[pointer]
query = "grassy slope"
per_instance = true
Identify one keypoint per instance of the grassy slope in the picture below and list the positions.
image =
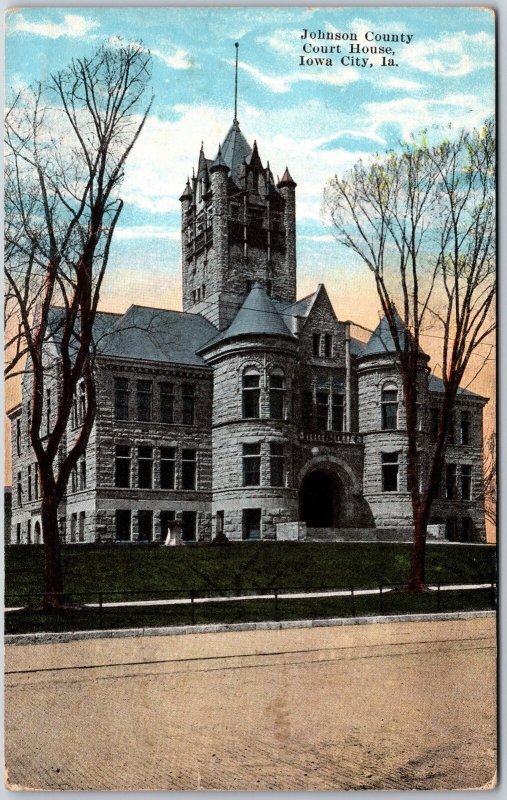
(262, 565)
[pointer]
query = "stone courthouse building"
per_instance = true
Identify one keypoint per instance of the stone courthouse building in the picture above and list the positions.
(250, 412)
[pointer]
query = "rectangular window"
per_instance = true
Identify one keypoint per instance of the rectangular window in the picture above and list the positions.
(48, 411)
(328, 345)
(144, 400)
(167, 467)
(252, 523)
(82, 473)
(252, 464)
(220, 522)
(434, 423)
(123, 525)
(390, 472)
(82, 519)
(122, 466)
(322, 410)
(121, 398)
(18, 533)
(82, 402)
(74, 414)
(307, 409)
(29, 482)
(466, 481)
(277, 464)
(18, 436)
(276, 396)
(188, 469)
(29, 532)
(166, 402)
(20, 489)
(145, 467)
(73, 527)
(188, 398)
(251, 395)
(450, 481)
(389, 409)
(73, 479)
(36, 480)
(316, 344)
(465, 427)
(166, 517)
(337, 411)
(144, 526)
(188, 526)
(451, 431)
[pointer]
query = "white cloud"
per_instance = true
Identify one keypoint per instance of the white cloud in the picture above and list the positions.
(453, 56)
(179, 59)
(279, 41)
(400, 83)
(283, 83)
(72, 25)
(325, 237)
(146, 232)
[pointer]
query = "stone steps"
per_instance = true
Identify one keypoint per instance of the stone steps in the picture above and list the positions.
(357, 535)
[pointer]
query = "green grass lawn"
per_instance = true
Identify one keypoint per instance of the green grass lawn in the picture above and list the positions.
(121, 571)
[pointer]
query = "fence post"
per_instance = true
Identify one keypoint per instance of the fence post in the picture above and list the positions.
(353, 602)
(101, 600)
(438, 596)
(381, 598)
(192, 608)
(276, 604)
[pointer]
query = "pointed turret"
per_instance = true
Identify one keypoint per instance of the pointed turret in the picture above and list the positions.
(219, 162)
(235, 148)
(287, 179)
(187, 192)
(381, 341)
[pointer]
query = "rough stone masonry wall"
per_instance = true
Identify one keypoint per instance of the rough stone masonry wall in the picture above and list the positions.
(231, 431)
(156, 434)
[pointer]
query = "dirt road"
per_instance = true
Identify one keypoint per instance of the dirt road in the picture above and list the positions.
(385, 706)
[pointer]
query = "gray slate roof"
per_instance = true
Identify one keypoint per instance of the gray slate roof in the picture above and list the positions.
(235, 148)
(381, 341)
(437, 385)
(258, 316)
(147, 334)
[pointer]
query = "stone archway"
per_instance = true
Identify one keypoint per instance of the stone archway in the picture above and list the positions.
(320, 499)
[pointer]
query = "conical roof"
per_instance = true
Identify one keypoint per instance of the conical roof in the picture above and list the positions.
(235, 149)
(257, 316)
(381, 341)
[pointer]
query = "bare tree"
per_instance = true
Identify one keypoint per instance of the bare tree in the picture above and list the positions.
(488, 493)
(423, 221)
(66, 144)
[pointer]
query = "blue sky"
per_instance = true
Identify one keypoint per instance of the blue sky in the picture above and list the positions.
(317, 120)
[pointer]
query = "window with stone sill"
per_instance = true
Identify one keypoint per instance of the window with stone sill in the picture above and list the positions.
(277, 395)
(145, 467)
(121, 398)
(466, 481)
(251, 394)
(252, 464)
(277, 464)
(166, 402)
(390, 467)
(123, 520)
(389, 408)
(167, 467)
(19, 487)
(188, 469)
(144, 400)
(450, 481)
(29, 482)
(188, 403)
(465, 428)
(18, 436)
(122, 466)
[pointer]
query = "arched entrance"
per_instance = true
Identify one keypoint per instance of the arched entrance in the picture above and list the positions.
(320, 499)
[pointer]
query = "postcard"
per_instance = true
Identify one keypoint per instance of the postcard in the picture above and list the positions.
(250, 431)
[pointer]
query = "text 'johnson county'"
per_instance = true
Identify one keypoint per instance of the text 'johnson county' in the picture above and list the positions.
(355, 53)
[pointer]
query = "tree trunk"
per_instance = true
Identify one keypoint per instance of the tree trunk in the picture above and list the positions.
(52, 571)
(416, 578)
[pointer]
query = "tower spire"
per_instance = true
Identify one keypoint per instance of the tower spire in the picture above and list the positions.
(236, 45)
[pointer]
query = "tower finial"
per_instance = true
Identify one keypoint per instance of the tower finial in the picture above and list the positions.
(236, 45)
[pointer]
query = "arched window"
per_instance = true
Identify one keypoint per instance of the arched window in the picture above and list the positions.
(251, 394)
(277, 394)
(389, 407)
